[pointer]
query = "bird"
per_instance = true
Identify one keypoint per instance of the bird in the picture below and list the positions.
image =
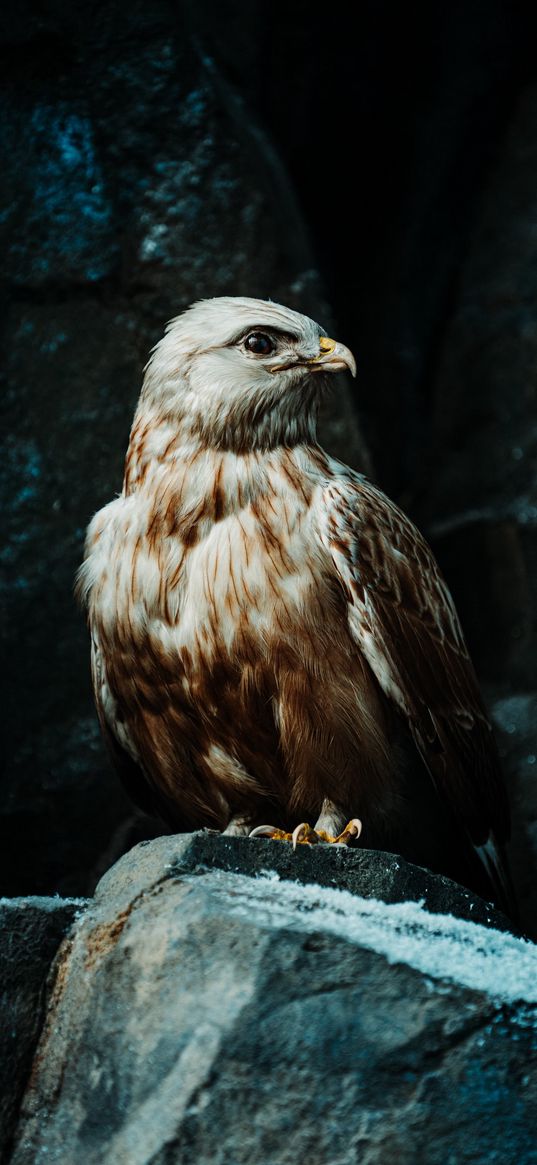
(274, 649)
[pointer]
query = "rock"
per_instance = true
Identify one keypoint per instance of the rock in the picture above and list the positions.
(32, 930)
(367, 873)
(485, 395)
(481, 490)
(142, 185)
(479, 502)
(208, 1016)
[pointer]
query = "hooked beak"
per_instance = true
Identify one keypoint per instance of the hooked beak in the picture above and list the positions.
(332, 357)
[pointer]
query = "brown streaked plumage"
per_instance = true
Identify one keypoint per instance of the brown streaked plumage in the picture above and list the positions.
(271, 636)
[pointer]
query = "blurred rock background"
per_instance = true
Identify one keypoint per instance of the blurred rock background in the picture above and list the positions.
(376, 169)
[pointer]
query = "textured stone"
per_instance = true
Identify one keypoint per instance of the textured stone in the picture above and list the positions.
(479, 502)
(367, 873)
(31, 930)
(206, 1016)
(482, 494)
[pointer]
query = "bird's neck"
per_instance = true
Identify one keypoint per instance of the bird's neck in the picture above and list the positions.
(168, 465)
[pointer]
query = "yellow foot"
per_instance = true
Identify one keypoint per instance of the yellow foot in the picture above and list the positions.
(304, 834)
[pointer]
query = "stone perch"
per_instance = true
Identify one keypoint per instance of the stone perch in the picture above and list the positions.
(221, 1002)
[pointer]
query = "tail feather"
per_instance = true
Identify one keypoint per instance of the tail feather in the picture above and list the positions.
(493, 860)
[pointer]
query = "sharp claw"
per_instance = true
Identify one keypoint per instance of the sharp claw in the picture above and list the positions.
(298, 833)
(353, 829)
(264, 831)
(304, 835)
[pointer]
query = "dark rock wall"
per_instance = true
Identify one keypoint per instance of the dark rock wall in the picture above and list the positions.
(480, 501)
(158, 153)
(136, 183)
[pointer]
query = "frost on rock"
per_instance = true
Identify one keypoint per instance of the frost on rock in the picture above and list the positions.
(438, 945)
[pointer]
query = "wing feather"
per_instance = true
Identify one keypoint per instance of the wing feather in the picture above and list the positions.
(121, 746)
(404, 620)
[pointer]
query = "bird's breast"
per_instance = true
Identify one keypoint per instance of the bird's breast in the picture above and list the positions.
(248, 579)
(233, 633)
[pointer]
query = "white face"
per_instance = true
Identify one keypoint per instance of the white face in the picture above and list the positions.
(242, 373)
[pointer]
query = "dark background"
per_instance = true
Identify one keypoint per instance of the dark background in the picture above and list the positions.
(374, 166)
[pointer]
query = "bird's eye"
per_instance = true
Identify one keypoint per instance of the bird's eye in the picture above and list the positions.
(259, 343)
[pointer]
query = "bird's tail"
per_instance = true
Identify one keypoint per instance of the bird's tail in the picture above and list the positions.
(492, 857)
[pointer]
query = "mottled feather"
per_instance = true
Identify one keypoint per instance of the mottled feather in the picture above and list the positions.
(405, 622)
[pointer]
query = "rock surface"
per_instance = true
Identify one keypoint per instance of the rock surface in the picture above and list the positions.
(31, 931)
(483, 494)
(480, 496)
(366, 873)
(201, 1015)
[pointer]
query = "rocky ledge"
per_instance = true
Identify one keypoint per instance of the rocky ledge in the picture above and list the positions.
(227, 1001)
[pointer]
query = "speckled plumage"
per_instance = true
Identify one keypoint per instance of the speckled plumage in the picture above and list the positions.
(270, 634)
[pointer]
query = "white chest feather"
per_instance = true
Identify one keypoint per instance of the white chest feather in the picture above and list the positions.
(241, 573)
(161, 561)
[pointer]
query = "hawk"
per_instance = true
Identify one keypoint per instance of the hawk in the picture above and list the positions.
(272, 638)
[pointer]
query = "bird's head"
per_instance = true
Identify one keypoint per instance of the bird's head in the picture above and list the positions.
(242, 374)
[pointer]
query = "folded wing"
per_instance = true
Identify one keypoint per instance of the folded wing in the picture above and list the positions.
(404, 621)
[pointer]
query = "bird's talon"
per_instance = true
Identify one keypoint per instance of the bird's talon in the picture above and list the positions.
(305, 835)
(270, 831)
(353, 829)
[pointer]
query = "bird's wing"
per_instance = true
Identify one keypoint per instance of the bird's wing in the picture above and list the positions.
(120, 746)
(404, 620)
